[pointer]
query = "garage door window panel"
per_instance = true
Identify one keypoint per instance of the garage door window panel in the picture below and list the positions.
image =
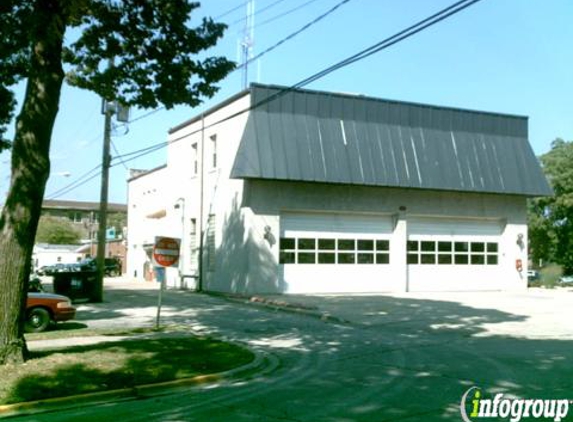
(306, 258)
(327, 258)
(346, 258)
(306, 244)
(327, 244)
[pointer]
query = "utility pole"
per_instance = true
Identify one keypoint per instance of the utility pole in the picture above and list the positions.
(248, 41)
(97, 292)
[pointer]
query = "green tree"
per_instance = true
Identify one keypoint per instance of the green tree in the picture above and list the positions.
(551, 218)
(57, 231)
(139, 52)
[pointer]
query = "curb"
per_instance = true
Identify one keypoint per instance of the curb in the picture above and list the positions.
(139, 391)
(280, 305)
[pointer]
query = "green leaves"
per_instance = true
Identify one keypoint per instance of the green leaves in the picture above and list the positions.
(142, 52)
(551, 218)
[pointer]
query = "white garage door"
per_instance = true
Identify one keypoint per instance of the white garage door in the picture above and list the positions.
(332, 253)
(451, 255)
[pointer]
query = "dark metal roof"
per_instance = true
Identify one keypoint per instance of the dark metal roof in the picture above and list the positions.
(337, 138)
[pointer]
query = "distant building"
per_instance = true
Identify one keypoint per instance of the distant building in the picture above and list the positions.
(84, 216)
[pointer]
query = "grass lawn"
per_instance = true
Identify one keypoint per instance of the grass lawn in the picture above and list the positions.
(115, 365)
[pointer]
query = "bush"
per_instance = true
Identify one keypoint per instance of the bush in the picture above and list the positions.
(549, 276)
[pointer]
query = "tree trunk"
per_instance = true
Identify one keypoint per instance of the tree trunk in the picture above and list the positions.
(30, 171)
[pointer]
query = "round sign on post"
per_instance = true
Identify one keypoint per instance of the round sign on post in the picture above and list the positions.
(166, 251)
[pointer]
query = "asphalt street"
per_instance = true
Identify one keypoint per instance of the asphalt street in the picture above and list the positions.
(397, 358)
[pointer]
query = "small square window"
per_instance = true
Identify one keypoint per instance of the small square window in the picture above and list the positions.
(461, 259)
(306, 258)
(444, 246)
(382, 258)
(428, 258)
(306, 244)
(492, 247)
(413, 245)
(382, 245)
(365, 245)
(366, 258)
(478, 247)
(326, 258)
(444, 259)
(428, 246)
(346, 258)
(326, 244)
(478, 259)
(412, 258)
(461, 247)
(287, 243)
(492, 260)
(286, 258)
(346, 244)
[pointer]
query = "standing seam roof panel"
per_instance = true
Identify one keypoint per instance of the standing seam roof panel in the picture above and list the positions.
(388, 143)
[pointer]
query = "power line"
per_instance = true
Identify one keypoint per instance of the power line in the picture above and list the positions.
(76, 184)
(294, 34)
(288, 12)
(118, 154)
(387, 42)
(231, 10)
(257, 12)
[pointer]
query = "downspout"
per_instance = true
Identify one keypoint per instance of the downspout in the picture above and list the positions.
(201, 189)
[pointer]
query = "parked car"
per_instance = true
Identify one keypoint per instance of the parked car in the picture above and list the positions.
(43, 308)
(112, 266)
(532, 275)
(566, 279)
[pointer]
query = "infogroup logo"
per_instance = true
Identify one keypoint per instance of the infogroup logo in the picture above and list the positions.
(514, 409)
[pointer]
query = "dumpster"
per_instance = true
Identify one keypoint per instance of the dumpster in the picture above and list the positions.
(75, 284)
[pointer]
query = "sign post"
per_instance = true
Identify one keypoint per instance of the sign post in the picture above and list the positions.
(165, 254)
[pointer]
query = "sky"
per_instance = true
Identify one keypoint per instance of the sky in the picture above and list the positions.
(505, 56)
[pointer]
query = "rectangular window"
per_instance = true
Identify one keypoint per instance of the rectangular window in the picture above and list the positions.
(444, 259)
(461, 247)
(492, 260)
(477, 259)
(492, 247)
(382, 245)
(382, 258)
(365, 245)
(366, 258)
(345, 258)
(413, 245)
(306, 258)
(195, 159)
(346, 244)
(306, 244)
(286, 257)
(286, 243)
(428, 246)
(326, 258)
(211, 242)
(478, 247)
(412, 258)
(193, 226)
(213, 139)
(461, 259)
(326, 244)
(428, 258)
(444, 246)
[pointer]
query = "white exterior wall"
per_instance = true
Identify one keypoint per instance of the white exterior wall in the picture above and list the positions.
(222, 197)
(270, 200)
(146, 197)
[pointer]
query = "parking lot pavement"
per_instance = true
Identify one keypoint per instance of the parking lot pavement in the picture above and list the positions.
(537, 313)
